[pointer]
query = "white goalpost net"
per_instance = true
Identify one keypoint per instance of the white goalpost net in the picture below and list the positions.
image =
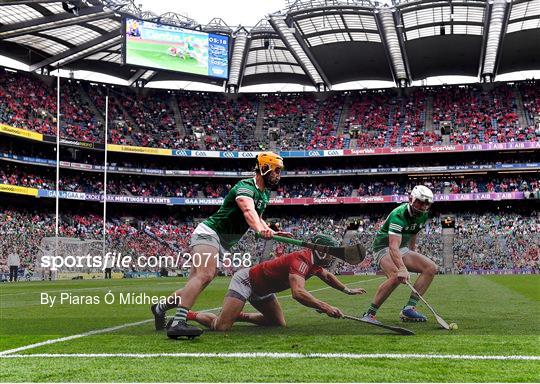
(69, 253)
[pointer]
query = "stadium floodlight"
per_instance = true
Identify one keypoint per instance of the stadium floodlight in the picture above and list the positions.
(391, 38)
(289, 38)
(497, 25)
(239, 49)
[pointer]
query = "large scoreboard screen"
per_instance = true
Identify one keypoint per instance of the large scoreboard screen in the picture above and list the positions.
(152, 45)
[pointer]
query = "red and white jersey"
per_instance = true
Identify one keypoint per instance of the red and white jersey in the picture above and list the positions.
(273, 275)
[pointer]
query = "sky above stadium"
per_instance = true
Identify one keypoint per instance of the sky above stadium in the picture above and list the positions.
(248, 13)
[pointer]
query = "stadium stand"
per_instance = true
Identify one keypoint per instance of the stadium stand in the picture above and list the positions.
(136, 185)
(513, 239)
(473, 114)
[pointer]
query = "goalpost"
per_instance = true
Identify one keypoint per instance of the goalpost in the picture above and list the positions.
(67, 246)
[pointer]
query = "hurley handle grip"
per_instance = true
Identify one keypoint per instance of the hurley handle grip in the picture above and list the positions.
(283, 239)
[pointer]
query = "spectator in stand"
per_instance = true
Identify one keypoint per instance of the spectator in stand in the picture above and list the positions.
(13, 262)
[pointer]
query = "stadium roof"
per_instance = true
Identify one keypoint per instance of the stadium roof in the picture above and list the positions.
(315, 42)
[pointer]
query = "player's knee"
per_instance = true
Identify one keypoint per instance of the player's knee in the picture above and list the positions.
(274, 322)
(206, 277)
(281, 322)
(431, 269)
(393, 279)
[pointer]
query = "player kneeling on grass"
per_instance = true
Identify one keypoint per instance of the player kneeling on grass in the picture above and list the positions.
(242, 209)
(394, 249)
(260, 283)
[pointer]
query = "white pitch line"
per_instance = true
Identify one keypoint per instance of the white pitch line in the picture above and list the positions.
(90, 333)
(112, 329)
(280, 355)
(78, 336)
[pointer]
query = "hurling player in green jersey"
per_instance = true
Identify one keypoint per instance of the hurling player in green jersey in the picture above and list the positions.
(242, 209)
(394, 249)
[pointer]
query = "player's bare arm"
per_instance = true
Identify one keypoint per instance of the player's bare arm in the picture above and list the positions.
(331, 279)
(264, 224)
(247, 206)
(300, 294)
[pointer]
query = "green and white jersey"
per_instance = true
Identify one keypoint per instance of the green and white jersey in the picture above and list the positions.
(399, 222)
(229, 222)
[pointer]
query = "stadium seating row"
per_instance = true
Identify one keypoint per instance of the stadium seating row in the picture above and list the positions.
(216, 121)
(135, 185)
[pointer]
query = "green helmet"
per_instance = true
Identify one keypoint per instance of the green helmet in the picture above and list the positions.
(324, 239)
(323, 259)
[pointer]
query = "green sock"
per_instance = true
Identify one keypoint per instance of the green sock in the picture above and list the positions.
(372, 310)
(181, 314)
(413, 300)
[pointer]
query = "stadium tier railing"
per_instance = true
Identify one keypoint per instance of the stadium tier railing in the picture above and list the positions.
(82, 196)
(286, 173)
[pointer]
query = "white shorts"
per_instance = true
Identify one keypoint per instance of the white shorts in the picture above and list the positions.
(377, 256)
(240, 287)
(204, 235)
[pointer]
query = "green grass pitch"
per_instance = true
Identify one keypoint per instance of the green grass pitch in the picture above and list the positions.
(149, 54)
(497, 315)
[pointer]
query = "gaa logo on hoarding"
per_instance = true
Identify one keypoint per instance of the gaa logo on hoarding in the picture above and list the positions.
(200, 153)
(180, 152)
(333, 153)
(247, 155)
(227, 154)
(313, 153)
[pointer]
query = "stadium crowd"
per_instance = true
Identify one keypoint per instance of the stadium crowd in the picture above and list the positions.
(227, 124)
(486, 242)
(497, 242)
(214, 121)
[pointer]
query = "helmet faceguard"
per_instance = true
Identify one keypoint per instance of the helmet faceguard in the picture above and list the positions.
(271, 179)
(420, 200)
(324, 259)
(267, 165)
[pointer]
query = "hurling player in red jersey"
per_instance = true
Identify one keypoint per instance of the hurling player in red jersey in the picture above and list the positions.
(259, 284)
